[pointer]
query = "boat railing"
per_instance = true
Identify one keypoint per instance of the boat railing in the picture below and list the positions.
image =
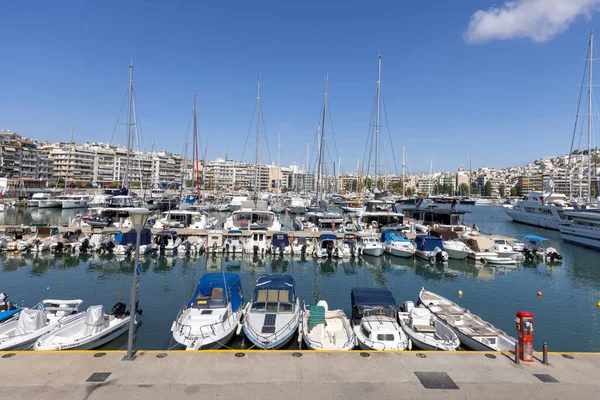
(277, 335)
(206, 330)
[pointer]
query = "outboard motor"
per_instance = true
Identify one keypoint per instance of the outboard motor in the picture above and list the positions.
(214, 247)
(85, 245)
(529, 255)
(129, 249)
(227, 248)
(553, 254)
(329, 249)
(255, 249)
(109, 245)
(281, 250)
(59, 246)
(119, 310)
(303, 250)
(187, 247)
(352, 248)
(439, 256)
(408, 306)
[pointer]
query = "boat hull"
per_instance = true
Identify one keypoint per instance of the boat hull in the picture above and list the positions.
(542, 221)
(456, 254)
(49, 204)
(580, 239)
(375, 252)
(93, 342)
(399, 252)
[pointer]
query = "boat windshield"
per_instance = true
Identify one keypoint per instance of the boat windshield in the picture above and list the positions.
(273, 301)
(216, 299)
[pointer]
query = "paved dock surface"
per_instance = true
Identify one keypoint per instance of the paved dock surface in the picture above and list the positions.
(284, 375)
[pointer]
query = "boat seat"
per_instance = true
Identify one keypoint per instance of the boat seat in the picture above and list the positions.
(424, 328)
(216, 293)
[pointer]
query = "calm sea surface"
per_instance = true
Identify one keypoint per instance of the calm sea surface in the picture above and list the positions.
(566, 315)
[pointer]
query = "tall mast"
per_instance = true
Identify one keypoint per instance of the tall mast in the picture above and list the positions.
(590, 116)
(279, 165)
(377, 119)
(403, 182)
(322, 145)
(470, 172)
(69, 158)
(257, 141)
(129, 110)
(195, 153)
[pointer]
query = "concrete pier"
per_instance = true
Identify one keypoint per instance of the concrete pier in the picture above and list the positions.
(295, 375)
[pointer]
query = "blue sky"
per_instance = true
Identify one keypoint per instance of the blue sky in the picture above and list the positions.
(502, 83)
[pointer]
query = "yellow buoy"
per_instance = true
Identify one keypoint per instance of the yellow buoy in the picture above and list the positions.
(598, 304)
(16, 252)
(459, 293)
(539, 294)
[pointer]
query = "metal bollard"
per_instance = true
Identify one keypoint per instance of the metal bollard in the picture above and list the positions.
(517, 360)
(545, 354)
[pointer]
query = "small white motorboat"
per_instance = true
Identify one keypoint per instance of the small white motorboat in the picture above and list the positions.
(166, 242)
(212, 316)
(233, 242)
(375, 320)
(456, 249)
(370, 245)
(272, 317)
(396, 244)
(301, 246)
(257, 243)
(280, 244)
(425, 331)
(127, 241)
(21, 332)
(323, 329)
(93, 330)
(472, 331)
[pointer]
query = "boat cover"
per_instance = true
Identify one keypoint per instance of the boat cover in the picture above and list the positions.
(420, 312)
(94, 320)
(281, 239)
(533, 238)
(30, 321)
(117, 192)
(165, 233)
(428, 243)
(392, 236)
(276, 282)
(191, 199)
(130, 237)
(316, 316)
(327, 236)
(229, 284)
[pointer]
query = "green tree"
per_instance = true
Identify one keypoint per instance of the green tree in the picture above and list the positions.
(488, 189)
(397, 187)
(368, 182)
(409, 192)
(594, 192)
(463, 189)
(502, 190)
(513, 191)
(114, 185)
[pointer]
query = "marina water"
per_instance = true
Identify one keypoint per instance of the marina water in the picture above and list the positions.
(567, 317)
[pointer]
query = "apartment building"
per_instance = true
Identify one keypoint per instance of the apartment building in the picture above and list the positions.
(21, 158)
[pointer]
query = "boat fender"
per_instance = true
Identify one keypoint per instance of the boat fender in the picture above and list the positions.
(173, 326)
(409, 347)
(300, 332)
(238, 331)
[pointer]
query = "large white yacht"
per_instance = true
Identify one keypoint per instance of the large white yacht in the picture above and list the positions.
(543, 209)
(583, 228)
(253, 216)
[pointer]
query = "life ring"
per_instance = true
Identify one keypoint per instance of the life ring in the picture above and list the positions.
(435, 226)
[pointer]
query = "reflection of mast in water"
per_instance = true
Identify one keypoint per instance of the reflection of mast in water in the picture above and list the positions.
(317, 290)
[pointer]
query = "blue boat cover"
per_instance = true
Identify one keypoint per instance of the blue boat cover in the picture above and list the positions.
(428, 243)
(166, 233)
(130, 238)
(392, 236)
(280, 239)
(230, 283)
(276, 282)
(533, 238)
(191, 199)
(4, 315)
(117, 192)
(234, 232)
(328, 236)
(372, 297)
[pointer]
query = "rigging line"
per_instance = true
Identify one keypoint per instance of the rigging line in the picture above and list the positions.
(332, 131)
(187, 133)
(314, 146)
(371, 137)
(248, 134)
(387, 124)
(119, 116)
(138, 125)
(578, 108)
(262, 114)
(370, 130)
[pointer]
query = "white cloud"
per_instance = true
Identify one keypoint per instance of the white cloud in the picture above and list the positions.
(539, 20)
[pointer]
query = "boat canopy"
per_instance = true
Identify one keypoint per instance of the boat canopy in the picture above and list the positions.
(130, 237)
(280, 239)
(393, 236)
(428, 243)
(191, 199)
(166, 233)
(215, 289)
(444, 233)
(30, 321)
(533, 238)
(328, 236)
(117, 192)
(368, 298)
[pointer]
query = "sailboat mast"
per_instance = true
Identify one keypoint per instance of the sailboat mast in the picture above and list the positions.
(279, 166)
(322, 145)
(195, 153)
(403, 181)
(377, 120)
(129, 110)
(257, 141)
(590, 116)
(69, 159)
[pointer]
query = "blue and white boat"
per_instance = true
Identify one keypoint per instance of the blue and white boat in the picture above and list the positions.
(7, 308)
(326, 245)
(212, 315)
(272, 317)
(430, 248)
(396, 244)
